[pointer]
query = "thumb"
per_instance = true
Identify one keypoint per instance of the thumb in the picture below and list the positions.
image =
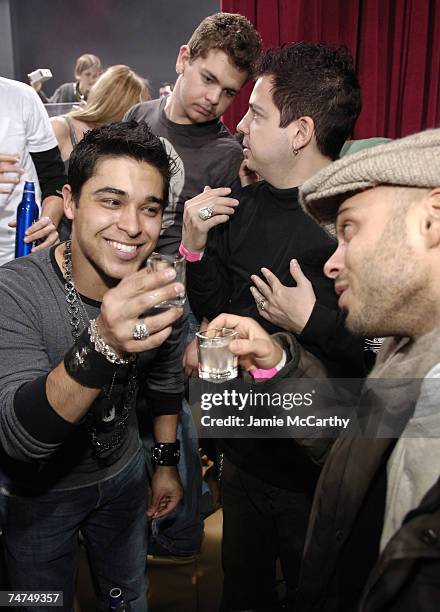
(264, 353)
(206, 188)
(296, 272)
(257, 348)
(12, 223)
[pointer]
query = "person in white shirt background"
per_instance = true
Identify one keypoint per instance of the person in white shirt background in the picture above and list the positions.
(28, 152)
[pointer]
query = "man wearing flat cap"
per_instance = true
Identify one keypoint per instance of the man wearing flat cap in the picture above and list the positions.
(379, 490)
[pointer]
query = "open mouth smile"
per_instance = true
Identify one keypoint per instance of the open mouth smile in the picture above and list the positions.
(124, 250)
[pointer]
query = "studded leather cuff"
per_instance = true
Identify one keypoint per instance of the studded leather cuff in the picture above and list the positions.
(166, 453)
(88, 367)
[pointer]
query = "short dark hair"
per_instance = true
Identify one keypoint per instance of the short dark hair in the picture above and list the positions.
(318, 81)
(122, 139)
(228, 32)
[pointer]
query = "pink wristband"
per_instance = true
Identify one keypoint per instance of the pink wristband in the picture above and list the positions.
(190, 255)
(270, 373)
(264, 373)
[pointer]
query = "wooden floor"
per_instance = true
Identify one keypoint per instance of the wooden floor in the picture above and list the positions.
(193, 587)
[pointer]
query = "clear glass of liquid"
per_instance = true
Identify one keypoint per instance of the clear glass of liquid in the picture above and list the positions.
(216, 362)
(160, 261)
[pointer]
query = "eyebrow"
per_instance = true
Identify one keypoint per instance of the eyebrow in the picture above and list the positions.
(256, 107)
(114, 190)
(342, 210)
(120, 192)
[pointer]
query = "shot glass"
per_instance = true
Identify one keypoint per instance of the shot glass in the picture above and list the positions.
(160, 261)
(216, 362)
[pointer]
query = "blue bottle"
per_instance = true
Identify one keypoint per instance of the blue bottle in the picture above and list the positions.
(117, 603)
(27, 213)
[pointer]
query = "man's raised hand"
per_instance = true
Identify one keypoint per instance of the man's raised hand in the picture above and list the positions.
(216, 208)
(123, 307)
(255, 347)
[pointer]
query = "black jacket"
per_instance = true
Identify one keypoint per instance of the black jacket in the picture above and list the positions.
(269, 228)
(346, 521)
(407, 576)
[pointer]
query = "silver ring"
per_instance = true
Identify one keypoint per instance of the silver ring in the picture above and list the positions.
(140, 331)
(205, 213)
(262, 304)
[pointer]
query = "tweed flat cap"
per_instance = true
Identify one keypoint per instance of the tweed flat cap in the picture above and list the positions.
(413, 161)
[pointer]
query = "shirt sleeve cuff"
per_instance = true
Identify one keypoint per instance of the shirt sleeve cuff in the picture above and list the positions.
(160, 403)
(37, 416)
(320, 323)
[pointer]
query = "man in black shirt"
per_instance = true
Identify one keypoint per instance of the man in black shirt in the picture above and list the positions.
(303, 106)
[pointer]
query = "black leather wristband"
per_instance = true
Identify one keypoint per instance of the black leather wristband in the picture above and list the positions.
(88, 367)
(166, 453)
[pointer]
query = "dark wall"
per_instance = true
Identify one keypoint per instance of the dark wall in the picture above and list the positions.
(144, 34)
(6, 49)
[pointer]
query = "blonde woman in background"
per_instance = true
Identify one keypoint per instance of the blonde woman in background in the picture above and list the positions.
(117, 89)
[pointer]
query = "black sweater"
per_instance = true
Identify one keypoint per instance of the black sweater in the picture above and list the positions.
(269, 228)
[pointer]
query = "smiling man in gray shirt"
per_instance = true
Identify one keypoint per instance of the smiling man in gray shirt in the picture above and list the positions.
(76, 348)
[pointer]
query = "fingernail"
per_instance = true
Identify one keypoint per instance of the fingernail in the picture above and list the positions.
(169, 273)
(294, 262)
(179, 288)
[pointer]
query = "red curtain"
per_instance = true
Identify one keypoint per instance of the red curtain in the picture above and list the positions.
(395, 44)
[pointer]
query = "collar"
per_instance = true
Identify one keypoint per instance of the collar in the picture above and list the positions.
(192, 130)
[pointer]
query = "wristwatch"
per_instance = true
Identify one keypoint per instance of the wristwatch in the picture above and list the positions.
(166, 453)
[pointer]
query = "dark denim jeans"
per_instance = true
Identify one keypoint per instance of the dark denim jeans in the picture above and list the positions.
(40, 536)
(180, 532)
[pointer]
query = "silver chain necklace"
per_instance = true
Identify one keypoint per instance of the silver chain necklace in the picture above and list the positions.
(75, 307)
(73, 299)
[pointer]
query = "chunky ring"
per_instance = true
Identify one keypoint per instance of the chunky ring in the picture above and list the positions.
(140, 331)
(205, 213)
(262, 304)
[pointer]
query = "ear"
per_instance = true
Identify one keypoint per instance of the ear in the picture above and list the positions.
(303, 130)
(430, 222)
(182, 59)
(69, 203)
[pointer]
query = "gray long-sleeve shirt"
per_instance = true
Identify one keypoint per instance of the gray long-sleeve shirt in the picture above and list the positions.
(35, 334)
(203, 153)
